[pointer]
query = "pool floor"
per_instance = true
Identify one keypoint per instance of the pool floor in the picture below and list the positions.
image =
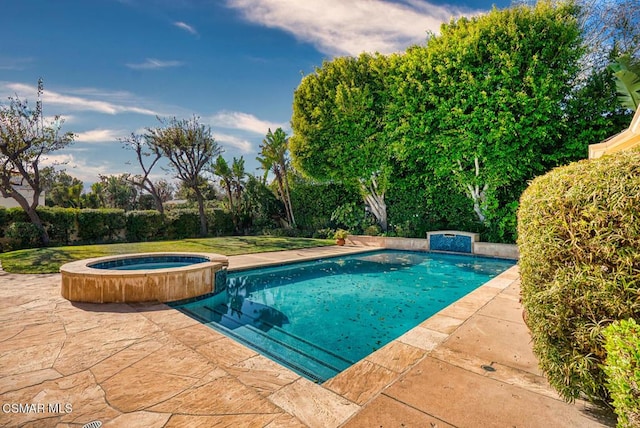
(319, 318)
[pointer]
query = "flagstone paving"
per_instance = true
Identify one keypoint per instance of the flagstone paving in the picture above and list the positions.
(147, 365)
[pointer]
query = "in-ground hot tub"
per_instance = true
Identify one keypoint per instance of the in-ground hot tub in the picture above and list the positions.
(144, 277)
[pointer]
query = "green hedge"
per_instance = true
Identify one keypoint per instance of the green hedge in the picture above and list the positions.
(67, 226)
(219, 222)
(100, 225)
(60, 223)
(20, 234)
(146, 225)
(183, 223)
(579, 241)
(622, 367)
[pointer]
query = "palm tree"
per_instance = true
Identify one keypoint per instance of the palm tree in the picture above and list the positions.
(274, 158)
(238, 176)
(221, 169)
(627, 73)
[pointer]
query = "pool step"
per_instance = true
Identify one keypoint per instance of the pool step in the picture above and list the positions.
(314, 362)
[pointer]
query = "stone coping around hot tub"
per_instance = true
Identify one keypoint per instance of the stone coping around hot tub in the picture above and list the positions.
(84, 265)
(83, 283)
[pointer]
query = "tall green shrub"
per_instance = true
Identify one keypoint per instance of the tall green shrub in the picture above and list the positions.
(100, 225)
(144, 225)
(21, 234)
(622, 342)
(183, 223)
(60, 223)
(219, 222)
(579, 241)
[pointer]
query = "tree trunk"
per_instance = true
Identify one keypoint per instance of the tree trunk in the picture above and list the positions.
(378, 208)
(288, 198)
(477, 195)
(203, 216)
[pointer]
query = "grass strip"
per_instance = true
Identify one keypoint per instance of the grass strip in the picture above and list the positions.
(49, 260)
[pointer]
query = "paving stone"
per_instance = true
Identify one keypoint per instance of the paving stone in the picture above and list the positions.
(465, 399)
(314, 405)
(222, 396)
(387, 412)
(262, 374)
(139, 419)
(495, 340)
(361, 382)
(396, 356)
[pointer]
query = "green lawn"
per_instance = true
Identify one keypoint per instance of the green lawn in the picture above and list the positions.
(49, 260)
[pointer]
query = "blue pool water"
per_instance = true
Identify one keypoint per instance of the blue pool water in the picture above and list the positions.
(320, 317)
(150, 262)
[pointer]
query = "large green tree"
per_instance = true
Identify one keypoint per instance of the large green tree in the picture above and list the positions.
(338, 124)
(26, 138)
(483, 102)
(189, 147)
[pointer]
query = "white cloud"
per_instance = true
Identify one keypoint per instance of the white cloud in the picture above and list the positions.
(8, 63)
(153, 64)
(244, 122)
(99, 136)
(230, 140)
(80, 103)
(86, 169)
(338, 27)
(186, 27)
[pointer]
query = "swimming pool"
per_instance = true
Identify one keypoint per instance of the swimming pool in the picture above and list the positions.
(318, 318)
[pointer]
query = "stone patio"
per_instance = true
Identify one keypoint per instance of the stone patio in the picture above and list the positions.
(147, 365)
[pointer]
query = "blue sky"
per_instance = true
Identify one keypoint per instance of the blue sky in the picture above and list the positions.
(111, 66)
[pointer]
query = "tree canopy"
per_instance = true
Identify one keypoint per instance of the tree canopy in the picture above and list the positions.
(189, 147)
(338, 124)
(479, 110)
(495, 86)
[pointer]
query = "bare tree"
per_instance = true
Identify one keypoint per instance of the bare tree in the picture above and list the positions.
(189, 147)
(610, 28)
(144, 151)
(25, 140)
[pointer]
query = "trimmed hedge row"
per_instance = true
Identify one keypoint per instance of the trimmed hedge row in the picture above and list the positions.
(579, 241)
(70, 226)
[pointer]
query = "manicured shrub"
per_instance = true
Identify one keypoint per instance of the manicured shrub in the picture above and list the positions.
(579, 241)
(100, 225)
(20, 235)
(144, 225)
(622, 367)
(60, 223)
(182, 223)
(17, 214)
(219, 222)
